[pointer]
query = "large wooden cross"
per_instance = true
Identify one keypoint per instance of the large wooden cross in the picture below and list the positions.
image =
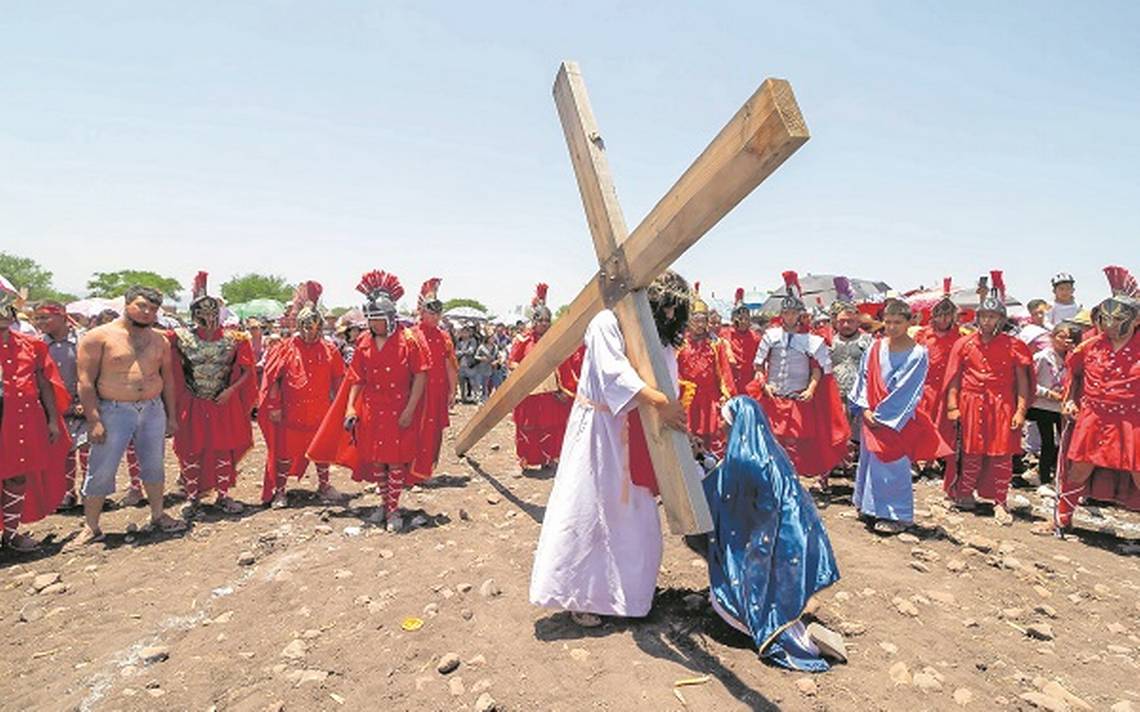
(760, 137)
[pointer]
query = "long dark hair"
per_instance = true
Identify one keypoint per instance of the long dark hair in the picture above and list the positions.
(670, 290)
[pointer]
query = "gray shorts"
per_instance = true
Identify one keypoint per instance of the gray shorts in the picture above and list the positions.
(141, 422)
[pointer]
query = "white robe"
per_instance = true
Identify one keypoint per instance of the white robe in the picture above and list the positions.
(600, 545)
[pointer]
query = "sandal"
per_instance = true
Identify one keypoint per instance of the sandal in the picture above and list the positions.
(21, 543)
(229, 505)
(586, 620)
(331, 495)
(887, 526)
(280, 500)
(166, 524)
(91, 537)
(70, 501)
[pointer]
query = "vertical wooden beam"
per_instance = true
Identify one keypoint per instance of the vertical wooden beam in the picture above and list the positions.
(677, 474)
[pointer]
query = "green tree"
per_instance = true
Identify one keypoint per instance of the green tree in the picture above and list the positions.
(247, 287)
(462, 302)
(115, 284)
(26, 273)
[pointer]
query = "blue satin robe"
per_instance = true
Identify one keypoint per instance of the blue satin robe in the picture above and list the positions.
(884, 490)
(768, 550)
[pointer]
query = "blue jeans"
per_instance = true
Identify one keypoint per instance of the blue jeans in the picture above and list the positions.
(143, 422)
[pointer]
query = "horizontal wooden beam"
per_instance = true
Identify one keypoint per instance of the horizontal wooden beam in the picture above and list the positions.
(760, 137)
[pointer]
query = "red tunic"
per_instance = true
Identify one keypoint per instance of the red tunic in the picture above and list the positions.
(933, 403)
(305, 374)
(431, 415)
(24, 447)
(705, 363)
(540, 419)
(1107, 429)
(742, 348)
(918, 439)
(209, 431)
(814, 433)
(386, 375)
(987, 397)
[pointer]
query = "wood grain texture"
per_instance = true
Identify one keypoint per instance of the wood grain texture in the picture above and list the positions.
(767, 129)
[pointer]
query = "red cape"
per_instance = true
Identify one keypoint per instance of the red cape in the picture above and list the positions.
(23, 435)
(284, 363)
(814, 433)
(919, 438)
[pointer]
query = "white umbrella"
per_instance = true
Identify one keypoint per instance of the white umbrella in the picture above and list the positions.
(466, 313)
(92, 306)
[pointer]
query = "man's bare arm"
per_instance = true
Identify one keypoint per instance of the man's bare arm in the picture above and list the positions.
(89, 359)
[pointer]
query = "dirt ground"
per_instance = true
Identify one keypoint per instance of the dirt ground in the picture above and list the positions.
(302, 609)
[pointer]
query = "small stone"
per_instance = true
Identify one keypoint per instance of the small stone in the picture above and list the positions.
(579, 654)
(246, 558)
(955, 566)
(907, 538)
(323, 529)
(944, 597)
(889, 648)
(1055, 690)
(486, 703)
(842, 596)
(924, 554)
(476, 661)
(351, 531)
(342, 574)
(807, 687)
(969, 623)
(1042, 592)
(1122, 706)
(852, 629)
(981, 543)
(464, 588)
(295, 650)
(1118, 649)
(455, 686)
(1101, 589)
(1045, 702)
(310, 634)
(926, 682)
(1116, 629)
(1045, 610)
(132, 528)
(386, 553)
(31, 615)
(1040, 631)
(494, 498)
(464, 515)
(963, 696)
(39, 583)
(490, 589)
(448, 663)
(310, 676)
(154, 654)
(431, 610)
(905, 607)
(155, 691)
(53, 589)
(920, 567)
(419, 521)
(1012, 613)
(224, 617)
(899, 673)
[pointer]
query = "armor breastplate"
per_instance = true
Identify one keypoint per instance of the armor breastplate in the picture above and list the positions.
(206, 364)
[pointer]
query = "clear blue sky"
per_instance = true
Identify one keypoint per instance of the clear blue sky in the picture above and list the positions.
(317, 140)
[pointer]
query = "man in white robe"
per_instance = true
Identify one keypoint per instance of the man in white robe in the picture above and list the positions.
(600, 545)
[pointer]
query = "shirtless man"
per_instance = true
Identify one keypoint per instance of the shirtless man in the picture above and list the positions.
(127, 392)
